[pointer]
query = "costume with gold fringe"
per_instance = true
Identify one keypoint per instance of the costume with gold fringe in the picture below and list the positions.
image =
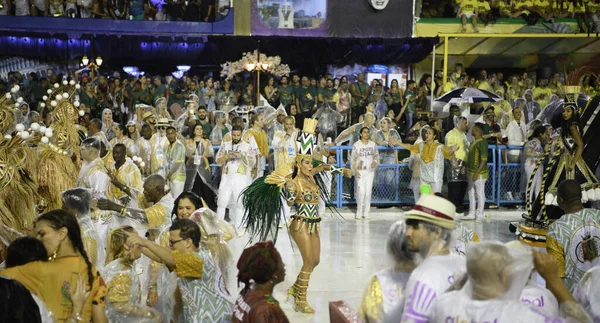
(18, 184)
(57, 167)
(262, 202)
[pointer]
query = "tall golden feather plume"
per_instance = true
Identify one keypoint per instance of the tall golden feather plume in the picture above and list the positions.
(57, 168)
(18, 185)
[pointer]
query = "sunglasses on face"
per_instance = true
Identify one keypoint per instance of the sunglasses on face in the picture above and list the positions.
(162, 128)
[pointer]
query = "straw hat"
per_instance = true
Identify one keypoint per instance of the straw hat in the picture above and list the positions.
(163, 122)
(146, 115)
(434, 209)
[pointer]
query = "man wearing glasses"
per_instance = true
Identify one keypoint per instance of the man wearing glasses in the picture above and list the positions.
(158, 143)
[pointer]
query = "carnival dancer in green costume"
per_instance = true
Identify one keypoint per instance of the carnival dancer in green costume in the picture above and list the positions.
(299, 187)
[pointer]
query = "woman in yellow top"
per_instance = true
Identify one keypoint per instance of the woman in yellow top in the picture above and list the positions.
(432, 155)
(586, 87)
(51, 281)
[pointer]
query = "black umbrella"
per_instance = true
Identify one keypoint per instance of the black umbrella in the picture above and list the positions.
(468, 95)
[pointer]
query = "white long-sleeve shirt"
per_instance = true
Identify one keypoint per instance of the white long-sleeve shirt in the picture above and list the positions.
(516, 134)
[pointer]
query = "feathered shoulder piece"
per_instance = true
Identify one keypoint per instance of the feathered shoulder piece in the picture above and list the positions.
(280, 175)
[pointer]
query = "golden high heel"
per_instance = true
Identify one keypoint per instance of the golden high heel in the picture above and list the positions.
(301, 305)
(300, 302)
(292, 291)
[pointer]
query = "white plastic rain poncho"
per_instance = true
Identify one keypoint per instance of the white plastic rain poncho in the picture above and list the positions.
(215, 233)
(431, 278)
(123, 302)
(328, 120)
(414, 164)
(107, 128)
(220, 129)
(270, 120)
(497, 276)
(383, 300)
(531, 108)
(587, 293)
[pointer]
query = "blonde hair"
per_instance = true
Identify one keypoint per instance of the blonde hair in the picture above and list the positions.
(115, 248)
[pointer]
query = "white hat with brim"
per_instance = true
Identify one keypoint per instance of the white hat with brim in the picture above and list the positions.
(435, 210)
(163, 122)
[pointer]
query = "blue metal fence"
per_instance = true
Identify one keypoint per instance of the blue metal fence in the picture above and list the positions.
(391, 183)
(510, 176)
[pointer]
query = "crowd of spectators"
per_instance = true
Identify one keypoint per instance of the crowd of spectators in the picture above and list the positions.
(586, 11)
(395, 116)
(171, 10)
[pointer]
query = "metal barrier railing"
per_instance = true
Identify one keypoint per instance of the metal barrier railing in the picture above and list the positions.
(511, 175)
(391, 183)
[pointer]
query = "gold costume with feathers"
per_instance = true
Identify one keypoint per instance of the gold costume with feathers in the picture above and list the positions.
(57, 168)
(18, 187)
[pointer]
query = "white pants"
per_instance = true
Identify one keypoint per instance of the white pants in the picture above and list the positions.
(364, 188)
(476, 188)
(176, 188)
(536, 183)
(230, 190)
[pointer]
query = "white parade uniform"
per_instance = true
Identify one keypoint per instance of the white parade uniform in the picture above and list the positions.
(363, 156)
(235, 177)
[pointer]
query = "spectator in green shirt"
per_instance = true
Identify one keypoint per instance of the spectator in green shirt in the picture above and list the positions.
(306, 99)
(478, 173)
(286, 92)
(326, 93)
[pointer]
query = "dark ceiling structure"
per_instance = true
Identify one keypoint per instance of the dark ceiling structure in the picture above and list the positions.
(159, 54)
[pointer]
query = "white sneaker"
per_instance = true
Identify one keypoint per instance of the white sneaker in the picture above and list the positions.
(366, 217)
(357, 217)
